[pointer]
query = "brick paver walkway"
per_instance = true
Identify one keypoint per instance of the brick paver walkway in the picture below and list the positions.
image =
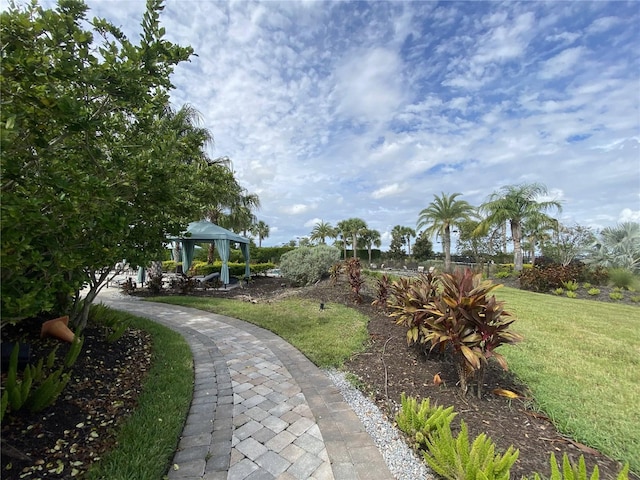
(260, 409)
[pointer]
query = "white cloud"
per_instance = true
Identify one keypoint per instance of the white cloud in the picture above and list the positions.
(387, 191)
(562, 64)
(628, 215)
(343, 109)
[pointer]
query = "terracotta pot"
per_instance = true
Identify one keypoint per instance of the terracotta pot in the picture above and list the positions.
(57, 328)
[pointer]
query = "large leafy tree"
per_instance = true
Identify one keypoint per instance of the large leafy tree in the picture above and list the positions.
(440, 216)
(517, 204)
(96, 168)
(321, 231)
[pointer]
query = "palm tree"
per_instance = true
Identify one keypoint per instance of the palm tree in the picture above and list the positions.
(536, 229)
(370, 238)
(618, 246)
(407, 233)
(516, 204)
(260, 229)
(321, 231)
(354, 228)
(440, 215)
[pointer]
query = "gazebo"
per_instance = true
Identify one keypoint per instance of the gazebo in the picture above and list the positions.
(207, 232)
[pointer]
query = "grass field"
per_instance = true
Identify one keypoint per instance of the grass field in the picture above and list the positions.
(579, 358)
(581, 361)
(327, 337)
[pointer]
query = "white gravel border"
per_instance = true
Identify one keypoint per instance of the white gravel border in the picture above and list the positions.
(403, 463)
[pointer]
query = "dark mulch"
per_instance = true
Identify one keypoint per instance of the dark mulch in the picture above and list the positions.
(80, 426)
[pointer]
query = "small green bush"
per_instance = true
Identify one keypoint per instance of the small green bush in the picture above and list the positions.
(503, 275)
(455, 459)
(559, 291)
(577, 472)
(622, 278)
(307, 265)
(616, 296)
(571, 294)
(635, 298)
(593, 291)
(586, 285)
(571, 285)
(420, 421)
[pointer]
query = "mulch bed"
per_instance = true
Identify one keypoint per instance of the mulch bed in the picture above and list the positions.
(81, 425)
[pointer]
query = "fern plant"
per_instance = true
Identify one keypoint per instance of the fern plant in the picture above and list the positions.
(456, 459)
(420, 421)
(576, 472)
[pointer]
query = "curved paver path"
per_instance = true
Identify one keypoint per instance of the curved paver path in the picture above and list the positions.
(260, 409)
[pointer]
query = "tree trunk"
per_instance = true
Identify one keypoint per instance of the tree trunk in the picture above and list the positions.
(517, 245)
(446, 243)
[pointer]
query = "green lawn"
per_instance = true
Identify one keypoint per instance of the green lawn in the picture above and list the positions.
(148, 439)
(327, 337)
(581, 361)
(580, 358)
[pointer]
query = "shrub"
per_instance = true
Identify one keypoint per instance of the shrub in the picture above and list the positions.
(559, 291)
(577, 472)
(307, 265)
(586, 285)
(548, 277)
(622, 278)
(616, 296)
(383, 286)
(571, 294)
(635, 298)
(503, 275)
(354, 274)
(421, 421)
(464, 317)
(454, 310)
(593, 291)
(571, 285)
(169, 266)
(455, 459)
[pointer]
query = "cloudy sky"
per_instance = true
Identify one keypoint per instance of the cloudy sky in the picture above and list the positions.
(332, 110)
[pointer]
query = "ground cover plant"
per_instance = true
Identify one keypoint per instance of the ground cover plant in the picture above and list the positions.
(121, 413)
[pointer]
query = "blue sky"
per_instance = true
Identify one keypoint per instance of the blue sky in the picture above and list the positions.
(332, 110)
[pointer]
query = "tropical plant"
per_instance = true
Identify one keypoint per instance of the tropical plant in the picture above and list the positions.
(441, 216)
(517, 204)
(455, 459)
(397, 241)
(321, 231)
(422, 420)
(618, 246)
(383, 287)
(260, 229)
(474, 325)
(423, 247)
(354, 276)
(370, 238)
(622, 278)
(407, 301)
(352, 228)
(577, 472)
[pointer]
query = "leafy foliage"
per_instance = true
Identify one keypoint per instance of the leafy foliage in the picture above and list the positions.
(454, 311)
(96, 166)
(383, 286)
(354, 276)
(577, 472)
(40, 385)
(454, 459)
(421, 421)
(307, 265)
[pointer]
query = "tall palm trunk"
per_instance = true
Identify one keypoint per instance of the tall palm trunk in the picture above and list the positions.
(446, 243)
(516, 233)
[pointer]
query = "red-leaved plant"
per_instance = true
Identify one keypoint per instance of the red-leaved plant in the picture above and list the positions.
(455, 310)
